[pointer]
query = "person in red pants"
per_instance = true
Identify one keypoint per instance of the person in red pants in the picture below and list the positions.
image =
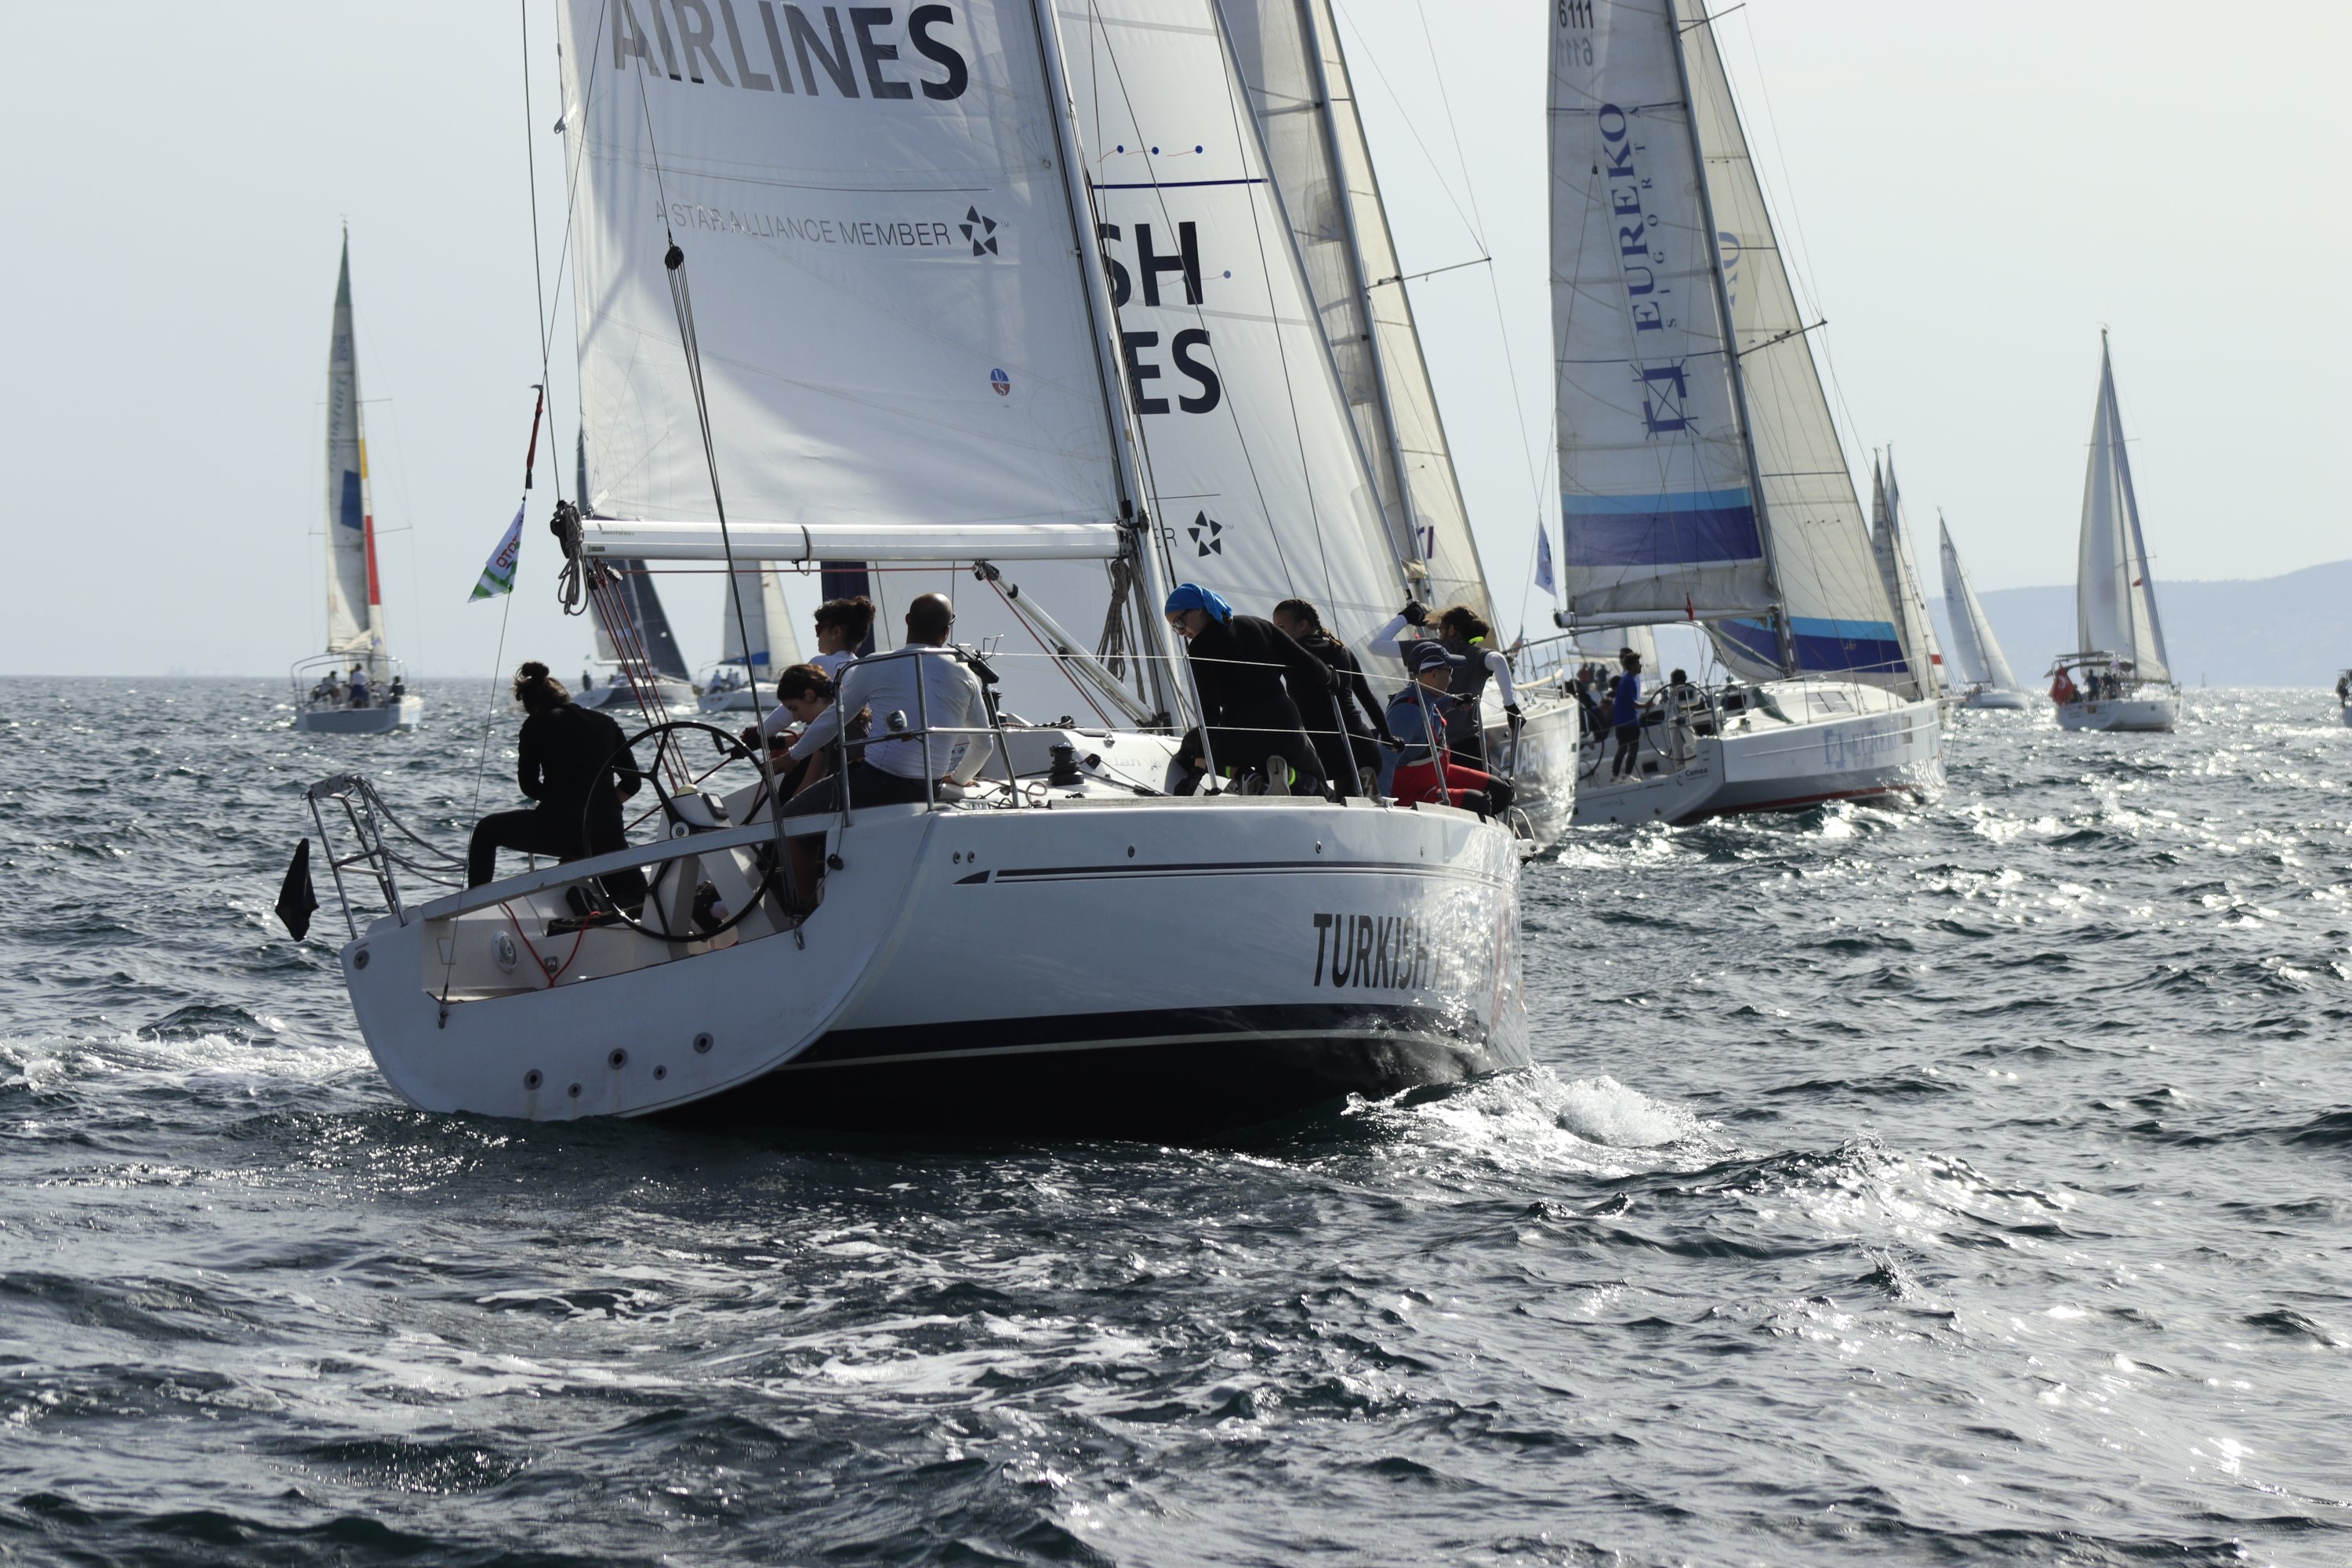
(1416, 714)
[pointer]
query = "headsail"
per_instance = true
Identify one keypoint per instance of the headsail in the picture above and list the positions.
(354, 595)
(2115, 600)
(1252, 453)
(1974, 647)
(1661, 517)
(1890, 543)
(1289, 55)
(1840, 617)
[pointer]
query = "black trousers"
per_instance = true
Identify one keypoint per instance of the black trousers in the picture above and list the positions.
(868, 786)
(554, 831)
(1628, 747)
(1465, 737)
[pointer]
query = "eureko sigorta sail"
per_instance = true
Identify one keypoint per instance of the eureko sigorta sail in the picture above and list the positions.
(1702, 478)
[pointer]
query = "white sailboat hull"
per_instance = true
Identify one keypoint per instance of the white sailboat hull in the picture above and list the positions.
(1881, 746)
(1542, 764)
(1997, 701)
(1139, 967)
(620, 698)
(383, 720)
(2146, 713)
(742, 700)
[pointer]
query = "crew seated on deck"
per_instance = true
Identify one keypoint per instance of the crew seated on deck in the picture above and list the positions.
(925, 686)
(1427, 774)
(1351, 750)
(804, 693)
(569, 759)
(1254, 682)
(1463, 633)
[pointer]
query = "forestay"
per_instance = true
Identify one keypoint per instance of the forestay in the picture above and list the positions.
(1290, 56)
(1839, 615)
(1974, 647)
(1261, 484)
(354, 602)
(2115, 602)
(1660, 520)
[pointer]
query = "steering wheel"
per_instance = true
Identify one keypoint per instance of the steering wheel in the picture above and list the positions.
(670, 747)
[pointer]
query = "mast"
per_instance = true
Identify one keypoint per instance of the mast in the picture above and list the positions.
(1154, 575)
(1783, 633)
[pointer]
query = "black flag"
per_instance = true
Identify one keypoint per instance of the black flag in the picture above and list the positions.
(296, 901)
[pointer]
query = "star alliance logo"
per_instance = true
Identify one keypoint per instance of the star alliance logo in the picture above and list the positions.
(981, 231)
(1205, 532)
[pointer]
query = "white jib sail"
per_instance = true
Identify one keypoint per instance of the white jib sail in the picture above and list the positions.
(1659, 516)
(1974, 647)
(1842, 619)
(1261, 487)
(1892, 549)
(1289, 55)
(354, 600)
(2115, 601)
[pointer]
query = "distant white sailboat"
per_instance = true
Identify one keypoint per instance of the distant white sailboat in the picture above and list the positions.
(356, 687)
(1702, 477)
(2118, 678)
(1985, 679)
(745, 677)
(1899, 571)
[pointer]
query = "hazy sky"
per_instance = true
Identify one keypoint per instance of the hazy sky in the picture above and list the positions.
(1971, 193)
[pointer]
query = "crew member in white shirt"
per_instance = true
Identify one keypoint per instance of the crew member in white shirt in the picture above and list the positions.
(842, 626)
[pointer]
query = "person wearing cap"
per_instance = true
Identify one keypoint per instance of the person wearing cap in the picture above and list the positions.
(1253, 679)
(1463, 633)
(1625, 712)
(1427, 774)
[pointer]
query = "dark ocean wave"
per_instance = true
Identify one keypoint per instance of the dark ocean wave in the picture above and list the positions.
(1958, 1184)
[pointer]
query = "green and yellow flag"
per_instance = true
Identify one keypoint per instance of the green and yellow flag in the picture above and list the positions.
(499, 575)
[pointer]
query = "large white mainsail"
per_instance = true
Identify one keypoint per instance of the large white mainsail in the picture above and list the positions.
(1890, 543)
(1289, 55)
(1657, 492)
(887, 276)
(355, 595)
(1841, 619)
(1974, 647)
(1252, 451)
(2115, 602)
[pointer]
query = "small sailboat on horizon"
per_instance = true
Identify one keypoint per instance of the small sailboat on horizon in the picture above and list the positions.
(1984, 676)
(639, 655)
(356, 687)
(2118, 676)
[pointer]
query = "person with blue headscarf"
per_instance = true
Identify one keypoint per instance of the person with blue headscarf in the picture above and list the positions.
(1253, 682)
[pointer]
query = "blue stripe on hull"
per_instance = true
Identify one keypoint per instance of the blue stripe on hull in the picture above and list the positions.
(1677, 528)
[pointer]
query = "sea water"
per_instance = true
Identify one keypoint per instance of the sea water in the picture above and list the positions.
(1965, 1184)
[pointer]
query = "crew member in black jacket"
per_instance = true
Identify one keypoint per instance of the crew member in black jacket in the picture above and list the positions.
(1252, 680)
(1349, 740)
(571, 757)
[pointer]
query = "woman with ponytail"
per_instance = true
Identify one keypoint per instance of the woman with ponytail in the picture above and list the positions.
(569, 759)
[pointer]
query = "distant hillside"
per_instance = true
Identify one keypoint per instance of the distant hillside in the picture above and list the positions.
(2294, 630)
